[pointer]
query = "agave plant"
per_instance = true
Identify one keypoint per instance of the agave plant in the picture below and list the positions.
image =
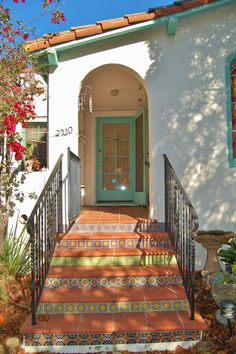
(15, 255)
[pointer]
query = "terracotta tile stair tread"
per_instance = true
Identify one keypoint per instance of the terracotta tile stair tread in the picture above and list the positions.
(109, 271)
(116, 323)
(113, 235)
(103, 252)
(174, 321)
(112, 294)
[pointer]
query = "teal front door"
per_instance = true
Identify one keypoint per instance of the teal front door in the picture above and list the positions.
(115, 159)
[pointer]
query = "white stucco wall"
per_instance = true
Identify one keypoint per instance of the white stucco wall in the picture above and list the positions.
(40, 102)
(190, 109)
(30, 189)
(184, 78)
(65, 84)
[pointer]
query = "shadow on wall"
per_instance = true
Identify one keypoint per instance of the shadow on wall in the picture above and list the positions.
(187, 96)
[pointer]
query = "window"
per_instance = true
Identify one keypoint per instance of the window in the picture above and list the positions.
(231, 108)
(36, 141)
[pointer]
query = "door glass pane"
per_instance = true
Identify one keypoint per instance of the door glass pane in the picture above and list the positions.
(109, 131)
(109, 182)
(123, 131)
(122, 182)
(122, 165)
(123, 147)
(109, 164)
(109, 148)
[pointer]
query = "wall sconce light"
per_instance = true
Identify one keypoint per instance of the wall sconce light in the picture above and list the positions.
(114, 92)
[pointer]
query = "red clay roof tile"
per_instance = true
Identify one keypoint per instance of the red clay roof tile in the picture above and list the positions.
(75, 33)
(85, 31)
(189, 4)
(140, 17)
(61, 37)
(37, 44)
(113, 23)
(167, 10)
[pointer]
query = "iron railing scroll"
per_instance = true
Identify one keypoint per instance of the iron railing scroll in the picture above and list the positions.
(181, 221)
(44, 226)
(73, 185)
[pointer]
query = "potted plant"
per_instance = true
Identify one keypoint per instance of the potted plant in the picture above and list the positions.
(228, 255)
(223, 284)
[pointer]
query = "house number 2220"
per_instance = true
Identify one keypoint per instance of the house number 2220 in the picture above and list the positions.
(64, 132)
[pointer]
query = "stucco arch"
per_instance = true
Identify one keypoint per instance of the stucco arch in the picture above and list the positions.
(110, 90)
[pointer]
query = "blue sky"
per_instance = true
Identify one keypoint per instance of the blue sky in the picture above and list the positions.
(79, 12)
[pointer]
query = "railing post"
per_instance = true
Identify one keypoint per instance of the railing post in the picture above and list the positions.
(69, 183)
(73, 185)
(30, 231)
(166, 195)
(192, 274)
(59, 207)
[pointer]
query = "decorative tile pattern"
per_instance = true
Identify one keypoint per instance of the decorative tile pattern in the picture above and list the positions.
(127, 308)
(107, 282)
(114, 260)
(111, 338)
(130, 243)
(113, 307)
(138, 227)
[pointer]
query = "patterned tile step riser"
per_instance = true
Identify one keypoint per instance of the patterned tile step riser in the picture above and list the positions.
(113, 307)
(111, 348)
(131, 243)
(142, 227)
(107, 282)
(114, 260)
(92, 339)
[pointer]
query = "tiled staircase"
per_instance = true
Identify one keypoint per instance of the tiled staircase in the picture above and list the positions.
(112, 287)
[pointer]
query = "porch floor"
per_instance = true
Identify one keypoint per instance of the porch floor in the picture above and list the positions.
(113, 215)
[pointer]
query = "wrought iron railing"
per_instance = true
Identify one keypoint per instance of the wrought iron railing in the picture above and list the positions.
(73, 185)
(44, 225)
(181, 221)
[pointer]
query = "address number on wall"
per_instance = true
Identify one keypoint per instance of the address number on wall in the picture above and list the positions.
(64, 132)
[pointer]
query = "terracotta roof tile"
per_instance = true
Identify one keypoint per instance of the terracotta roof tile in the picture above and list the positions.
(86, 31)
(37, 44)
(140, 17)
(113, 23)
(75, 33)
(61, 37)
(167, 10)
(189, 4)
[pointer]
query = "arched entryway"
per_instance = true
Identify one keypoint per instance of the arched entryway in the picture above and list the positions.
(113, 143)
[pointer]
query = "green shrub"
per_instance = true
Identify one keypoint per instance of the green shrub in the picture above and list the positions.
(15, 256)
(228, 255)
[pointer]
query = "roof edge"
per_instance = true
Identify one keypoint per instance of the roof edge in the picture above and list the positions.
(134, 27)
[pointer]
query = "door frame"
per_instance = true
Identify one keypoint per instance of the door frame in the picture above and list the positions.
(141, 198)
(114, 119)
